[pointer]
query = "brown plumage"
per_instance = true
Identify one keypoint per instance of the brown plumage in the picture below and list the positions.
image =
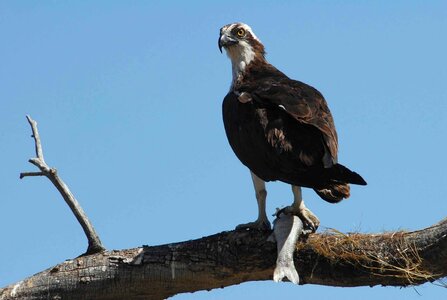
(286, 131)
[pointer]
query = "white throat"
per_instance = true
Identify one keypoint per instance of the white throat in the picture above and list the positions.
(240, 55)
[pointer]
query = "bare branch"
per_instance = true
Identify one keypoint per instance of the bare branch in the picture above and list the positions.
(229, 258)
(26, 174)
(94, 243)
(41, 164)
(37, 143)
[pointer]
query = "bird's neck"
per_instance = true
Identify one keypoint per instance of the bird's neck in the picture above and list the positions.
(242, 62)
(238, 73)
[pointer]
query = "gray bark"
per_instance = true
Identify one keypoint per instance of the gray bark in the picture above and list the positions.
(229, 258)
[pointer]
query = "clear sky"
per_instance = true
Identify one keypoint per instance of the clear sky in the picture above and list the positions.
(128, 96)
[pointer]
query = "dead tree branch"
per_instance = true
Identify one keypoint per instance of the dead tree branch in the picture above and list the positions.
(229, 258)
(94, 243)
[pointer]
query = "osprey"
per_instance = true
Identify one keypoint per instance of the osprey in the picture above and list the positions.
(281, 129)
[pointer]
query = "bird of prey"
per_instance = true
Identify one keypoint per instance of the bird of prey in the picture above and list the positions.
(281, 129)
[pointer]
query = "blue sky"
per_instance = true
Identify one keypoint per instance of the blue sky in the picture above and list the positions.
(128, 96)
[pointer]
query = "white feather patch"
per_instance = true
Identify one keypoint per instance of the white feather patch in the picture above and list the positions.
(242, 53)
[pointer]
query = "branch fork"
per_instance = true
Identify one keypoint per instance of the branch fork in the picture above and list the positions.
(228, 258)
(94, 243)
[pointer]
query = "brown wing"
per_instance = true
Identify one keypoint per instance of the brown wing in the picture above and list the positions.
(303, 102)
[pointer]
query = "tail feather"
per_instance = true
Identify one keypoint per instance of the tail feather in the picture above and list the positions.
(334, 192)
(338, 187)
(340, 173)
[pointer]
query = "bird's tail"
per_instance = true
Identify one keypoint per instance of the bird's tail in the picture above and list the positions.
(337, 188)
(334, 192)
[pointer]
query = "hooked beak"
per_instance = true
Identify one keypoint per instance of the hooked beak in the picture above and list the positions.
(225, 41)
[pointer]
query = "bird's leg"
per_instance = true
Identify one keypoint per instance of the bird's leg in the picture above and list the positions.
(262, 223)
(310, 221)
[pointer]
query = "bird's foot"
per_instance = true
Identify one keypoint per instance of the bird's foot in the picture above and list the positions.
(310, 221)
(259, 224)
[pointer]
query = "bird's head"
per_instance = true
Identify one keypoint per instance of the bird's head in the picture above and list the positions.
(241, 45)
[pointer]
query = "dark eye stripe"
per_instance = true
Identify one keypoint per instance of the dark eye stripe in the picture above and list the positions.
(235, 30)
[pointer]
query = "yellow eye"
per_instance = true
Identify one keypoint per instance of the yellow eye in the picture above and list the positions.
(240, 32)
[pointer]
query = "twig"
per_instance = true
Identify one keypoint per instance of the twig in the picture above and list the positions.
(39, 152)
(94, 243)
(25, 174)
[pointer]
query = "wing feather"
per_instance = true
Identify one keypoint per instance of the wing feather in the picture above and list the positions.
(303, 102)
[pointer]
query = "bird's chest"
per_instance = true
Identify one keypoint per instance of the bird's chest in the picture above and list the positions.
(247, 128)
(253, 130)
(243, 121)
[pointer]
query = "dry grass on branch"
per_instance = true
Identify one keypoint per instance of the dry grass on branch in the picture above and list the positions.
(386, 254)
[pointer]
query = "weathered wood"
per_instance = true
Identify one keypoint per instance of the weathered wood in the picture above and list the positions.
(94, 243)
(229, 258)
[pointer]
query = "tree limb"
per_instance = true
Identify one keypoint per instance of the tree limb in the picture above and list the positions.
(228, 258)
(94, 243)
(233, 257)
